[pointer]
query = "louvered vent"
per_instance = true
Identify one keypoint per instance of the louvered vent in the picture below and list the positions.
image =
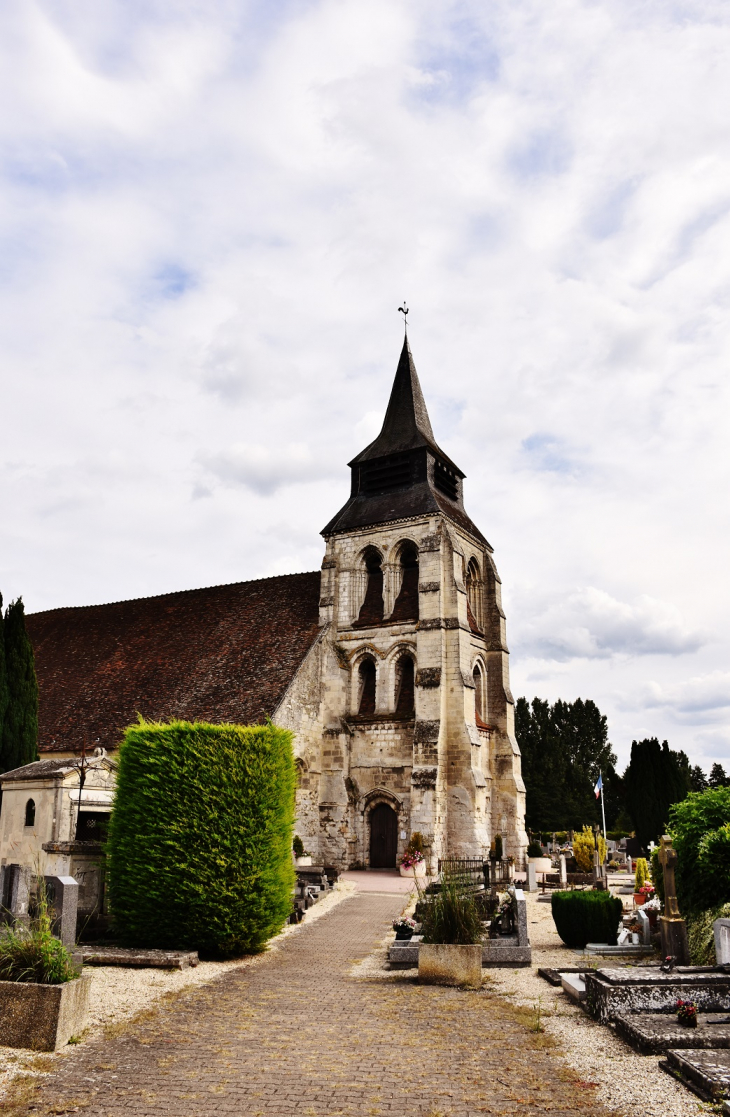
(381, 478)
(446, 481)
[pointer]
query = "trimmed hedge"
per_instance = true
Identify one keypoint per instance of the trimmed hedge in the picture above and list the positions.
(583, 917)
(700, 829)
(200, 837)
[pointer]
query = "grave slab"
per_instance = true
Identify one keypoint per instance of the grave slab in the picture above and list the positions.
(131, 956)
(617, 992)
(707, 1073)
(574, 986)
(652, 1033)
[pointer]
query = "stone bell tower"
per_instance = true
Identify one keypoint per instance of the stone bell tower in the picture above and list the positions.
(417, 716)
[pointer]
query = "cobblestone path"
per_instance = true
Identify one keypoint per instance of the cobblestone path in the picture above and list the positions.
(296, 1033)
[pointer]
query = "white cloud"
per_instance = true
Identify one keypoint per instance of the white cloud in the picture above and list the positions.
(591, 624)
(264, 469)
(702, 697)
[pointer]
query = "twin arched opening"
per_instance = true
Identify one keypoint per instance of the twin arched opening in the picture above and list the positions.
(403, 582)
(404, 695)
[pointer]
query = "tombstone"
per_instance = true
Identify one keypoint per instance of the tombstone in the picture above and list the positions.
(643, 919)
(721, 928)
(563, 870)
(671, 925)
(15, 896)
(531, 877)
(63, 899)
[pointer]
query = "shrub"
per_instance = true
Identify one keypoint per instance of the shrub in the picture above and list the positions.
(642, 871)
(298, 846)
(701, 935)
(416, 844)
(582, 917)
(200, 837)
(33, 954)
(701, 836)
(452, 916)
(584, 845)
(498, 849)
(657, 874)
(534, 849)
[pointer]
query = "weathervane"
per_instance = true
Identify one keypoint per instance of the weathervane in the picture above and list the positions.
(404, 311)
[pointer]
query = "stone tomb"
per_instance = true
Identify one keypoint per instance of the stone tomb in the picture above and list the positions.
(652, 1033)
(706, 1073)
(611, 993)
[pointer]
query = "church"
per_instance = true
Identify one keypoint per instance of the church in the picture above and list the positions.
(390, 664)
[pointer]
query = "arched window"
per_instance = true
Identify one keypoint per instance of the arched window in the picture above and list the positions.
(480, 705)
(30, 813)
(406, 603)
(474, 596)
(372, 607)
(404, 687)
(366, 697)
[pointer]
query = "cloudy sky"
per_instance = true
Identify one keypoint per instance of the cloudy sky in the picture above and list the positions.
(211, 211)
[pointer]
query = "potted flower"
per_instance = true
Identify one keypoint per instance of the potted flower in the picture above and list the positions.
(404, 927)
(451, 951)
(687, 1013)
(645, 893)
(642, 876)
(412, 864)
(653, 907)
(302, 856)
(44, 999)
(535, 857)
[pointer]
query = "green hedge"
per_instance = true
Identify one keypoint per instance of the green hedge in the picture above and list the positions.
(582, 917)
(700, 829)
(200, 837)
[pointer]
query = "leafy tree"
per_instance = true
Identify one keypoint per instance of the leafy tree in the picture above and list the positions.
(656, 777)
(564, 747)
(718, 777)
(700, 829)
(20, 725)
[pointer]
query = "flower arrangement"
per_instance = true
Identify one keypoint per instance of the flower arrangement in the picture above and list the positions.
(654, 904)
(647, 890)
(411, 858)
(687, 1013)
(403, 923)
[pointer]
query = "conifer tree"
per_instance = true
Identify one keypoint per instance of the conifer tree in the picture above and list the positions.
(698, 779)
(718, 777)
(656, 777)
(4, 695)
(20, 724)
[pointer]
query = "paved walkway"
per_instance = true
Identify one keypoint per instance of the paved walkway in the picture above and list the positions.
(296, 1033)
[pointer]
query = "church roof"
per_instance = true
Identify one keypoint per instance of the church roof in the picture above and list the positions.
(406, 425)
(403, 473)
(221, 654)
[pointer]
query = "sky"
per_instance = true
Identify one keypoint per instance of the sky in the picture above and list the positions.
(209, 215)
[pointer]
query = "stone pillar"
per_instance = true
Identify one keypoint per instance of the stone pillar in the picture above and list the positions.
(531, 883)
(563, 870)
(721, 928)
(63, 900)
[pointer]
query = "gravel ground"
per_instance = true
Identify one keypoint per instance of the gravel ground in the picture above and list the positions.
(627, 1083)
(119, 993)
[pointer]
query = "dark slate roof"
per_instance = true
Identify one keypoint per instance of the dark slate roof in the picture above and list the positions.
(226, 653)
(405, 444)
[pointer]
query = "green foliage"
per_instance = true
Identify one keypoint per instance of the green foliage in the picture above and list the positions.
(701, 935)
(657, 874)
(298, 846)
(19, 744)
(584, 846)
(200, 837)
(718, 778)
(32, 954)
(452, 916)
(417, 843)
(534, 849)
(642, 872)
(698, 779)
(564, 747)
(656, 777)
(582, 917)
(699, 829)
(498, 848)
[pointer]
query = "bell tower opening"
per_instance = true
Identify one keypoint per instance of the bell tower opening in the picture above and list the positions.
(406, 603)
(371, 612)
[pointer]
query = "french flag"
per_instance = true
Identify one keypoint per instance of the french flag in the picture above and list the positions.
(599, 786)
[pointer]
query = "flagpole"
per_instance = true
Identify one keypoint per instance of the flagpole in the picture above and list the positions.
(603, 812)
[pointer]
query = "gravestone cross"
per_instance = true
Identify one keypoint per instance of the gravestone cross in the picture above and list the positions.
(671, 925)
(668, 859)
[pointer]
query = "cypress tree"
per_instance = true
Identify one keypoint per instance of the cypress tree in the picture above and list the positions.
(4, 694)
(20, 724)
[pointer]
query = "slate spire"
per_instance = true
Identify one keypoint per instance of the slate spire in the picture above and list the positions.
(406, 425)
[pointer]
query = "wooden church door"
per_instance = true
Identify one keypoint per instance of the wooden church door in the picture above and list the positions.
(383, 837)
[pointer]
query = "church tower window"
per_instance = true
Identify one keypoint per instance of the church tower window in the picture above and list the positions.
(404, 688)
(474, 597)
(372, 607)
(480, 708)
(366, 697)
(406, 603)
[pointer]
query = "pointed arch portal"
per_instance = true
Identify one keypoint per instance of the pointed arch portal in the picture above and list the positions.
(383, 837)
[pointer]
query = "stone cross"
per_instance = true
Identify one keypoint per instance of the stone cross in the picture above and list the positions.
(668, 859)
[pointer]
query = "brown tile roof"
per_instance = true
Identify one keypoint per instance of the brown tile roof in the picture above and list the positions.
(226, 653)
